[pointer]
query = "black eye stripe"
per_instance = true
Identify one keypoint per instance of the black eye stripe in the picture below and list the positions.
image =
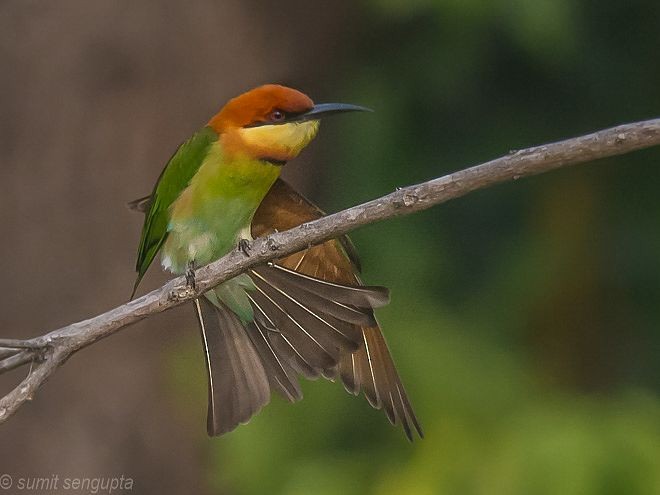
(286, 117)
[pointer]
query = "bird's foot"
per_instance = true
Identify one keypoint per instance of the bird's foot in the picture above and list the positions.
(185, 291)
(244, 246)
(190, 276)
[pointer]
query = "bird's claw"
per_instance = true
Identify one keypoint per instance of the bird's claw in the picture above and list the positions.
(190, 276)
(244, 246)
(185, 291)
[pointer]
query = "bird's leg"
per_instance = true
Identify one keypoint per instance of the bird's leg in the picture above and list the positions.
(244, 246)
(190, 275)
(190, 289)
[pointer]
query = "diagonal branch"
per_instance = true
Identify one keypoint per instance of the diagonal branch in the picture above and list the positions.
(53, 349)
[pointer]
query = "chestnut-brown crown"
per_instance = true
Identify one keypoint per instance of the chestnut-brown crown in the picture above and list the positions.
(264, 104)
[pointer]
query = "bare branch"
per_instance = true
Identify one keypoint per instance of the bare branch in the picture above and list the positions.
(53, 348)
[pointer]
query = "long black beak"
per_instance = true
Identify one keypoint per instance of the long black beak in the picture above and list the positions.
(325, 109)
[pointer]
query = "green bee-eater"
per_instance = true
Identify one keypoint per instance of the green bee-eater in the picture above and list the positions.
(308, 314)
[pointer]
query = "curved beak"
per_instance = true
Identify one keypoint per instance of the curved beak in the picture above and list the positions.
(325, 109)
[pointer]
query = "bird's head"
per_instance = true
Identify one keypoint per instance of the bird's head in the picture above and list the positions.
(272, 122)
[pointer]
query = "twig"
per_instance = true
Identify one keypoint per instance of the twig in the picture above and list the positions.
(17, 344)
(16, 360)
(4, 352)
(56, 346)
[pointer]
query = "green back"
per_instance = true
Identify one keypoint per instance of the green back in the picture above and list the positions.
(174, 178)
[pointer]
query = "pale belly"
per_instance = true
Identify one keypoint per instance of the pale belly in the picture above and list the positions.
(204, 239)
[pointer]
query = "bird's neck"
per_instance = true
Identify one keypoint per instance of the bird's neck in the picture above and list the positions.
(228, 176)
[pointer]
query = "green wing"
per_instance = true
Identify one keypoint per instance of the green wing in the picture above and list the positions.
(174, 178)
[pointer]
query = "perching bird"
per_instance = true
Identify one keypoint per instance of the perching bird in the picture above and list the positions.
(307, 314)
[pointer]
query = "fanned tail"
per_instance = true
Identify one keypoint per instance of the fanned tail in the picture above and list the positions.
(301, 325)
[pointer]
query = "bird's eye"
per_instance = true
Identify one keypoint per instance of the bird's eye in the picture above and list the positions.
(276, 115)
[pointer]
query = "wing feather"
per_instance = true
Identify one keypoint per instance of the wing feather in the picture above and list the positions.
(172, 181)
(370, 368)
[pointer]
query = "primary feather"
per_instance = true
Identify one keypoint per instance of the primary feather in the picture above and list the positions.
(175, 177)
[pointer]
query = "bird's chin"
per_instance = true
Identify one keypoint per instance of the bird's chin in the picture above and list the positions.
(281, 141)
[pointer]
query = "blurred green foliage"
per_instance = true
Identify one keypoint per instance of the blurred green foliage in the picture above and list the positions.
(524, 318)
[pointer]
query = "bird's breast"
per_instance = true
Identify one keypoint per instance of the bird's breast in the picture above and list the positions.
(215, 210)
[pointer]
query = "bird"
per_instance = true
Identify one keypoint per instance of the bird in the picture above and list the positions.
(306, 315)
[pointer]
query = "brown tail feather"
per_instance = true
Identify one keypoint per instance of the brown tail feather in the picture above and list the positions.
(281, 375)
(238, 386)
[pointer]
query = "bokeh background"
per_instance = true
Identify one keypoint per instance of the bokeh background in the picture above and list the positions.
(524, 318)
